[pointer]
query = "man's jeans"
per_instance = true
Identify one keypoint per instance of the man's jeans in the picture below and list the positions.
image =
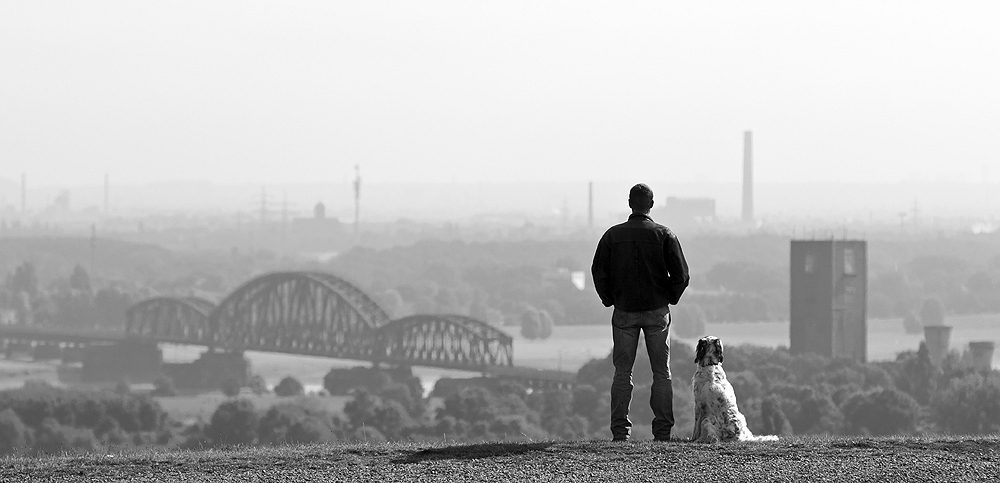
(655, 325)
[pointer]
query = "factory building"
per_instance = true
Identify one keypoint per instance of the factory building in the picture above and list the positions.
(829, 286)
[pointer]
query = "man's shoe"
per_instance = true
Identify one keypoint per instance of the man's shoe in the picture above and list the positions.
(619, 438)
(662, 438)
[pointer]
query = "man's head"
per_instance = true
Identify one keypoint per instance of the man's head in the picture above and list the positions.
(640, 198)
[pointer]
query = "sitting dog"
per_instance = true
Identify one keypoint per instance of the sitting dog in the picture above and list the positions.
(716, 417)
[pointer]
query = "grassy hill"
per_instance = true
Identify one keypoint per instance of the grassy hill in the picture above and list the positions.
(793, 459)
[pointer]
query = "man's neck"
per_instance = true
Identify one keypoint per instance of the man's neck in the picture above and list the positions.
(640, 212)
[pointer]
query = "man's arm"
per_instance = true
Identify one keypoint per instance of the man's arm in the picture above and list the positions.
(677, 267)
(601, 271)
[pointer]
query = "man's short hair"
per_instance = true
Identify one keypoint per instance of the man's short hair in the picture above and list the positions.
(640, 196)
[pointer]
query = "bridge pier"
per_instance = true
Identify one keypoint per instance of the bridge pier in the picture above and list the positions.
(43, 349)
(73, 353)
(16, 347)
(210, 370)
(340, 381)
(129, 359)
(46, 351)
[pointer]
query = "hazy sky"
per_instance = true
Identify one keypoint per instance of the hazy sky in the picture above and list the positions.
(286, 92)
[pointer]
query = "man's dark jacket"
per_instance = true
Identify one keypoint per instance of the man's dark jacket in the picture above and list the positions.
(639, 266)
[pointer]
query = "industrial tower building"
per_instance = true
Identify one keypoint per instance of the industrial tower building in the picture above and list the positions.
(829, 287)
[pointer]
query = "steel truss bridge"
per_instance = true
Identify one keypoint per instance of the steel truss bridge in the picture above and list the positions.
(319, 314)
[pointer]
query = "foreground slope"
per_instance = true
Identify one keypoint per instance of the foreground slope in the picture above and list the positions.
(796, 459)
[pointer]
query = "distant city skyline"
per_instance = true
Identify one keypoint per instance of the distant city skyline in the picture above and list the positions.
(388, 201)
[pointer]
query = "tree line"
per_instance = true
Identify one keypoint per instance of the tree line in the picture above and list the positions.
(40, 419)
(778, 392)
(734, 278)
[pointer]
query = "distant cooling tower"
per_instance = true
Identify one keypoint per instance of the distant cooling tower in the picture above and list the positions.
(748, 176)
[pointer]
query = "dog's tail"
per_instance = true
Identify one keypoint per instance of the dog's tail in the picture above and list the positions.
(748, 436)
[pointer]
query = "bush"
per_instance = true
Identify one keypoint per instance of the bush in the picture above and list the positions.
(164, 387)
(551, 405)
(916, 374)
(295, 424)
(411, 399)
(360, 411)
(746, 385)
(83, 408)
(233, 422)
(392, 419)
(54, 438)
(108, 431)
(288, 387)
(123, 388)
(970, 405)
(389, 416)
(477, 413)
(774, 420)
(809, 410)
(571, 427)
(536, 324)
(368, 434)
(881, 411)
(587, 402)
(230, 387)
(257, 385)
(14, 435)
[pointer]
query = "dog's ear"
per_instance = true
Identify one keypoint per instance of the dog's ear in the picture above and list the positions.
(718, 349)
(700, 351)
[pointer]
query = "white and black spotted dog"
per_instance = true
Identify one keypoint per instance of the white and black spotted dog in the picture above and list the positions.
(716, 417)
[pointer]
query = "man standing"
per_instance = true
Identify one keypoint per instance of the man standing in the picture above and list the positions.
(639, 268)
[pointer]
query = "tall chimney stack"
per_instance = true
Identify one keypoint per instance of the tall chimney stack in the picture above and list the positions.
(590, 204)
(747, 176)
(357, 202)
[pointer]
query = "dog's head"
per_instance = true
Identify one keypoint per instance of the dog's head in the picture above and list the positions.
(709, 351)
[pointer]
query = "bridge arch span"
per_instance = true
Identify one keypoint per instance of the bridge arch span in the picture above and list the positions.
(170, 319)
(443, 341)
(298, 312)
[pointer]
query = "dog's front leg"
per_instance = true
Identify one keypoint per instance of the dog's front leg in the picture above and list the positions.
(699, 417)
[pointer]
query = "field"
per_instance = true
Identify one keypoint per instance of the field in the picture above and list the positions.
(13, 373)
(790, 460)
